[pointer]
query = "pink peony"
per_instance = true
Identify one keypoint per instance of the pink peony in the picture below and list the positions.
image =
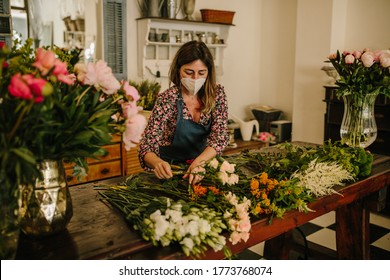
(61, 72)
(131, 91)
(19, 88)
(80, 71)
(45, 61)
(28, 87)
(332, 56)
(100, 76)
(368, 59)
(135, 126)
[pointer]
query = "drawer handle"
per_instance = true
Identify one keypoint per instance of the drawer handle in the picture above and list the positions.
(105, 171)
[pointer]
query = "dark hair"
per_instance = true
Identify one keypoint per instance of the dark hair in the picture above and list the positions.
(189, 52)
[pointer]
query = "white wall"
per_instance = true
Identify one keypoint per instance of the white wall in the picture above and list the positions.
(276, 49)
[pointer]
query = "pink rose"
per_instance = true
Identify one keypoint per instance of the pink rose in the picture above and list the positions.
(349, 59)
(357, 54)
(346, 53)
(367, 59)
(385, 59)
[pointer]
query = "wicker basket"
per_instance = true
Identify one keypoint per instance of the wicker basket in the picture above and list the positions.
(217, 16)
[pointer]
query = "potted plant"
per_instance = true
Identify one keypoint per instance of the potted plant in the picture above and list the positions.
(148, 91)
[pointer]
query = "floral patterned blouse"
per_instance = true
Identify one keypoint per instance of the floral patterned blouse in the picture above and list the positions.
(162, 123)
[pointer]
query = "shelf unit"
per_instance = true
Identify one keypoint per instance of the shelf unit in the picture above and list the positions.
(156, 51)
(74, 39)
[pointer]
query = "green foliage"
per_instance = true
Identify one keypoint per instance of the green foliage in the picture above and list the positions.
(288, 158)
(148, 91)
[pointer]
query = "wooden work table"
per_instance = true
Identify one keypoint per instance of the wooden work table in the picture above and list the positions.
(97, 231)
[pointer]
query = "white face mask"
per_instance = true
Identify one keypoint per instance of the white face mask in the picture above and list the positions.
(192, 85)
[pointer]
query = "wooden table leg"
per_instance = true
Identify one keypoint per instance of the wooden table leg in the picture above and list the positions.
(278, 247)
(352, 231)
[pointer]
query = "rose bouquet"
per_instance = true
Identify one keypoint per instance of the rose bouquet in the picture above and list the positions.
(47, 112)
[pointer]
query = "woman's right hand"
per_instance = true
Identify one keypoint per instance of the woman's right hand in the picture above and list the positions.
(162, 170)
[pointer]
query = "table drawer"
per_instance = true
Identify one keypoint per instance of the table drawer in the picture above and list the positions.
(98, 171)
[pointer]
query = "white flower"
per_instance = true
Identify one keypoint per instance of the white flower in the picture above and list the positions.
(320, 177)
(233, 179)
(223, 177)
(227, 167)
(187, 242)
(174, 215)
(192, 228)
(214, 163)
(204, 226)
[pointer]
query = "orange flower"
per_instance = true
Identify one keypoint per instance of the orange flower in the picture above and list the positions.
(264, 178)
(199, 190)
(214, 190)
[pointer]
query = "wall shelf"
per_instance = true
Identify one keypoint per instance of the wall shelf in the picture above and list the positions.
(159, 39)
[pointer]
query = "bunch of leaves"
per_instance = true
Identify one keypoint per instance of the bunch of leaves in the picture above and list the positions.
(148, 91)
(282, 160)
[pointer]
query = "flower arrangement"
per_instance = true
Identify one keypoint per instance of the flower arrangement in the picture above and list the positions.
(234, 190)
(148, 91)
(47, 112)
(362, 72)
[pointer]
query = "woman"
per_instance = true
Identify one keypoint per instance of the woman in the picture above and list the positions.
(189, 120)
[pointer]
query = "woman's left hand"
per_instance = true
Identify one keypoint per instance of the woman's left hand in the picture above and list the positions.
(194, 173)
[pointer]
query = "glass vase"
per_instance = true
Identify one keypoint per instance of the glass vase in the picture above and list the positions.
(9, 227)
(358, 127)
(46, 206)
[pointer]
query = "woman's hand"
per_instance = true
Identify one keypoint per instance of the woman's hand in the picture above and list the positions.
(194, 173)
(163, 170)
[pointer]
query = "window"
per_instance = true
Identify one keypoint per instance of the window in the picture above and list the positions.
(114, 14)
(5, 22)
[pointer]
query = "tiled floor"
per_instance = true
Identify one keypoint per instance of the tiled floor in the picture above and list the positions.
(320, 238)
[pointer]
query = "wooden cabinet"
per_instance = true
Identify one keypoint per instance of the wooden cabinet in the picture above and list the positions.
(111, 165)
(334, 115)
(132, 163)
(159, 39)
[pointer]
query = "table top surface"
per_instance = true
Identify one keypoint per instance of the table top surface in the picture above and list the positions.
(98, 231)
